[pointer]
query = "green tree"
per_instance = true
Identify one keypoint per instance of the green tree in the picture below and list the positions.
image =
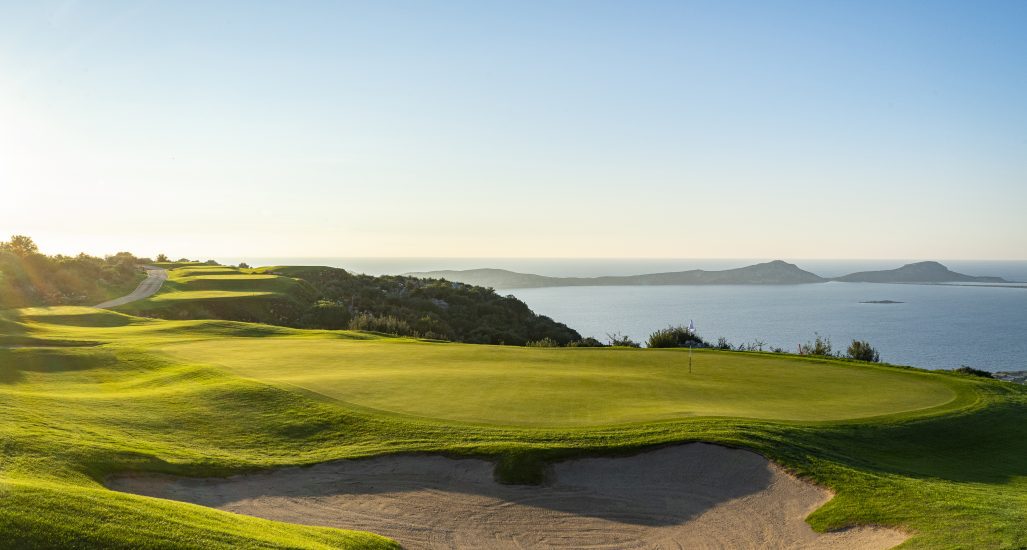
(861, 350)
(20, 245)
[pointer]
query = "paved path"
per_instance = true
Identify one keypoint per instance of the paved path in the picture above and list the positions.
(155, 278)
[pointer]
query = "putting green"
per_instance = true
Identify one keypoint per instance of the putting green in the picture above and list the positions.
(569, 386)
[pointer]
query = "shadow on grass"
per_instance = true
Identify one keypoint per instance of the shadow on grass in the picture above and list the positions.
(15, 361)
(984, 446)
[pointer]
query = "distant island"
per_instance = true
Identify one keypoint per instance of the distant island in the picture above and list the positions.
(777, 272)
(920, 272)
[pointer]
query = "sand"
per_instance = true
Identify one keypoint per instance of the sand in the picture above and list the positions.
(687, 496)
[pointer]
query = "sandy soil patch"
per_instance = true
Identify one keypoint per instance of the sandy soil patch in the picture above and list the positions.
(687, 496)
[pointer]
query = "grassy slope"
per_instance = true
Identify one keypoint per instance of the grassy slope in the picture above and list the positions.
(212, 292)
(955, 475)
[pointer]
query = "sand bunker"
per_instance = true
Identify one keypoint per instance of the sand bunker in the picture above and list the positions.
(687, 496)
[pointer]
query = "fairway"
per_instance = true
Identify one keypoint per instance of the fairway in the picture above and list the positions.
(86, 393)
(216, 283)
(571, 386)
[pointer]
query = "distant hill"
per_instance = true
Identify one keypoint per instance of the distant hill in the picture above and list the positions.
(920, 272)
(776, 272)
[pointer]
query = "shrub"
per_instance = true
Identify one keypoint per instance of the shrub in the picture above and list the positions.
(861, 350)
(388, 324)
(723, 344)
(753, 346)
(618, 339)
(328, 315)
(31, 278)
(819, 346)
(973, 372)
(433, 308)
(675, 337)
(546, 342)
(588, 342)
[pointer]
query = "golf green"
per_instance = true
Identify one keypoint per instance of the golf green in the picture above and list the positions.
(569, 386)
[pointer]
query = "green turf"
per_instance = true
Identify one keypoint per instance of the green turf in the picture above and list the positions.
(216, 292)
(570, 386)
(127, 398)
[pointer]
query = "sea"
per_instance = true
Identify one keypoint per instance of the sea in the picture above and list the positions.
(927, 326)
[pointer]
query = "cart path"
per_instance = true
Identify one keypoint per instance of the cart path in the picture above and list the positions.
(155, 278)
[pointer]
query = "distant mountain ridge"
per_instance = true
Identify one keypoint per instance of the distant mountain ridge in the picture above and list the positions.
(919, 272)
(776, 272)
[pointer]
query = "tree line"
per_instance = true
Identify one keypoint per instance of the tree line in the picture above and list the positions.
(30, 278)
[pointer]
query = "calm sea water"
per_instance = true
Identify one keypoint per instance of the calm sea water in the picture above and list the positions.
(937, 327)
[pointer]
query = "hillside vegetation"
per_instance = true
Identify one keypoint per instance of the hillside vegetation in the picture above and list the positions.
(29, 278)
(332, 298)
(939, 455)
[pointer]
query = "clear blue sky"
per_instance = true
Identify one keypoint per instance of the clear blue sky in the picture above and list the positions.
(893, 129)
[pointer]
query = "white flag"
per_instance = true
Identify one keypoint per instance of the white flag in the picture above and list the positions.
(691, 326)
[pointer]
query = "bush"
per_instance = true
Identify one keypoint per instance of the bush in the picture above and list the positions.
(618, 339)
(327, 315)
(753, 346)
(820, 346)
(546, 342)
(973, 372)
(588, 342)
(387, 324)
(433, 308)
(861, 350)
(675, 337)
(31, 278)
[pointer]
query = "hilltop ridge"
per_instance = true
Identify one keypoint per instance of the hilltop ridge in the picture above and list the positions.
(918, 272)
(776, 272)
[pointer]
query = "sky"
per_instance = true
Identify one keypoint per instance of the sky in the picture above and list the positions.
(840, 129)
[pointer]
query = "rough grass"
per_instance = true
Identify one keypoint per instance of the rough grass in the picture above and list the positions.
(955, 475)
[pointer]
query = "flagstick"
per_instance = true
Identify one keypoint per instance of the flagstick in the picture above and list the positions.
(689, 358)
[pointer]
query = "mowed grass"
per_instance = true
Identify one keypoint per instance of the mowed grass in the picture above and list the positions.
(206, 283)
(97, 392)
(570, 386)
